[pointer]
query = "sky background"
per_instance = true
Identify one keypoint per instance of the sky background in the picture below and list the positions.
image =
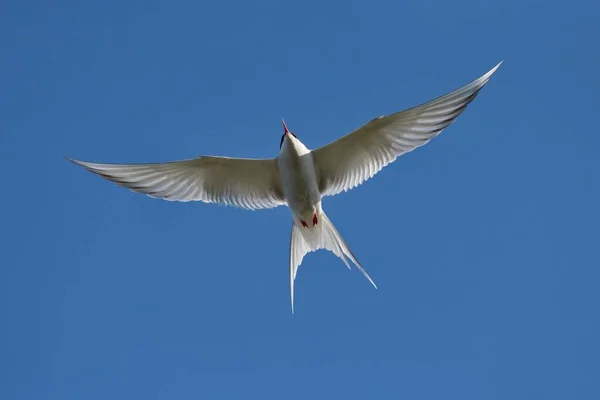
(484, 243)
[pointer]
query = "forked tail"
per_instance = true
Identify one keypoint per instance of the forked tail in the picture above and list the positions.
(322, 236)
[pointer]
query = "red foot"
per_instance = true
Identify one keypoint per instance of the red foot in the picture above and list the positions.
(315, 219)
(304, 224)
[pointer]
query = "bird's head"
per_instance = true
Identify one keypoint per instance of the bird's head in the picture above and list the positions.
(287, 135)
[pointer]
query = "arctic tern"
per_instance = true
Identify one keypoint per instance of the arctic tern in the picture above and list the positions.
(298, 177)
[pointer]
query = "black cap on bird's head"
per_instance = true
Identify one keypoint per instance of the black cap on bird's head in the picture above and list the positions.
(286, 131)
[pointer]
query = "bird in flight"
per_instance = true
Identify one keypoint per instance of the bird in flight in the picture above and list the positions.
(298, 177)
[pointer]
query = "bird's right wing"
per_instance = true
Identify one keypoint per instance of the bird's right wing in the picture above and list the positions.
(246, 183)
(356, 157)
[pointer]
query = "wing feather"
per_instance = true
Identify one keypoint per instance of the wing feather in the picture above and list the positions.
(246, 183)
(349, 161)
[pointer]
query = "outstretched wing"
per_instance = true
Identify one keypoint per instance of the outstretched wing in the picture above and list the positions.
(349, 161)
(247, 183)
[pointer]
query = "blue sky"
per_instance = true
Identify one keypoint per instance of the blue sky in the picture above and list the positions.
(484, 243)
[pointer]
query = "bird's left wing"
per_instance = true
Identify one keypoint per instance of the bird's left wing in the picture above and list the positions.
(246, 183)
(356, 157)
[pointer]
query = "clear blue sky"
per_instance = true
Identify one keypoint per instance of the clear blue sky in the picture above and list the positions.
(484, 243)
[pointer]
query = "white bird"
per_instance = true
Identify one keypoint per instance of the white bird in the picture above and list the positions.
(298, 177)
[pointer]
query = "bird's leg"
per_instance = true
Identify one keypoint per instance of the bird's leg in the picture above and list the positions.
(304, 224)
(315, 219)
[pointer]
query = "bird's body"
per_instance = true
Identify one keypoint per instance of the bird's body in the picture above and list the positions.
(299, 181)
(298, 177)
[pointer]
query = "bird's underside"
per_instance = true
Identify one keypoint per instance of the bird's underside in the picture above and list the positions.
(260, 183)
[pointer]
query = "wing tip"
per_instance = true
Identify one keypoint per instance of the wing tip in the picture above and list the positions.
(77, 162)
(74, 161)
(487, 75)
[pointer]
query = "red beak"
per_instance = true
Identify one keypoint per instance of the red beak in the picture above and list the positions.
(285, 128)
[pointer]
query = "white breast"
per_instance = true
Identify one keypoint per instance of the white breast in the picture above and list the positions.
(298, 178)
